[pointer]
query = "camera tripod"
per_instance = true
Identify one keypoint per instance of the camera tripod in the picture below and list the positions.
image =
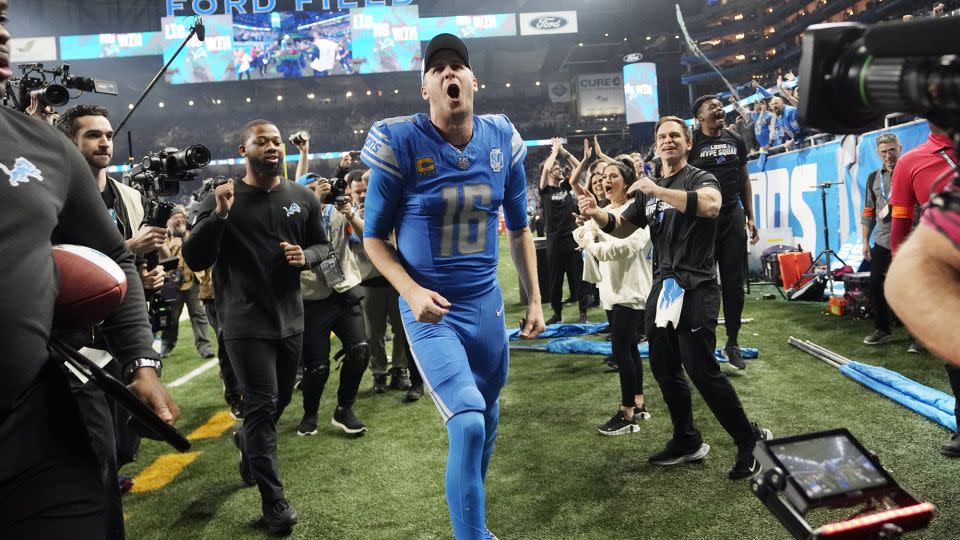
(827, 253)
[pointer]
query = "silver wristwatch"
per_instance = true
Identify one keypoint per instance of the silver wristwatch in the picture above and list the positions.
(142, 363)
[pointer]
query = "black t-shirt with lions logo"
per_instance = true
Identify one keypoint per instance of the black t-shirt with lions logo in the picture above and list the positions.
(682, 244)
(723, 156)
(559, 205)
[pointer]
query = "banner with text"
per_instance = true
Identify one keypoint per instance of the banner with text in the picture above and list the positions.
(785, 190)
(600, 94)
(548, 22)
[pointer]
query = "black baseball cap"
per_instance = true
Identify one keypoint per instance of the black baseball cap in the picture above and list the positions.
(444, 41)
(695, 108)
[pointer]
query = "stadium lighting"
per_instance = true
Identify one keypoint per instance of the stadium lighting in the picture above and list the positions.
(606, 35)
(161, 104)
(624, 39)
(130, 106)
(219, 101)
(311, 95)
(604, 128)
(537, 83)
(482, 86)
(648, 38)
(349, 93)
(190, 103)
(580, 44)
(369, 92)
(579, 131)
(739, 36)
(507, 85)
(738, 17)
(677, 36)
(279, 98)
(248, 100)
(741, 57)
(396, 91)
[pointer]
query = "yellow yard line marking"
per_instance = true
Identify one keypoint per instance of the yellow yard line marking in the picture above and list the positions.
(215, 426)
(162, 471)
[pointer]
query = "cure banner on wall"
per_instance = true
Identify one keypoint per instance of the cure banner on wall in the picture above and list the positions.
(600, 94)
(200, 61)
(640, 92)
(785, 192)
(93, 46)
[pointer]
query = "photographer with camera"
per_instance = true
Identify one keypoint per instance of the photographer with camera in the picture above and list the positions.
(185, 285)
(52, 478)
(331, 303)
(261, 232)
(88, 126)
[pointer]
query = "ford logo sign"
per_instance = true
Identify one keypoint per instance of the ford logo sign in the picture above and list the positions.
(632, 57)
(548, 23)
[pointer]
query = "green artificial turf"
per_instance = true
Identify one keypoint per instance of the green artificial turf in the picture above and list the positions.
(552, 475)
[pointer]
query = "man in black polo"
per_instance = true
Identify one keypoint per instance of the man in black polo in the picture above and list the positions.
(253, 230)
(681, 210)
(723, 154)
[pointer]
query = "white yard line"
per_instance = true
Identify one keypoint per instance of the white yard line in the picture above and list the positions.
(194, 374)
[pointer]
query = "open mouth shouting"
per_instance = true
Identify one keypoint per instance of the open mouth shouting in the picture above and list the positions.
(453, 92)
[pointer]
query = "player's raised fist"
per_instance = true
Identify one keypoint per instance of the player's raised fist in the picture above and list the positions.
(224, 195)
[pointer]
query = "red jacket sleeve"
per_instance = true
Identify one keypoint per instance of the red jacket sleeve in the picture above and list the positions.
(903, 201)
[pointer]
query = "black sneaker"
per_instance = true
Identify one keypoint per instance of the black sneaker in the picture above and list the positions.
(555, 319)
(916, 347)
(641, 413)
(298, 379)
(673, 456)
(619, 425)
(878, 337)
(246, 472)
(344, 419)
(308, 426)
(734, 355)
(279, 517)
(611, 363)
(583, 318)
(951, 448)
(746, 465)
(400, 380)
(236, 409)
(414, 393)
(379, 384)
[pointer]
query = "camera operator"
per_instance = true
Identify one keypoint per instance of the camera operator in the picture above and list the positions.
(380, 304)
(52, 483)
(333, 306)
(253, 230)
(722, 153)
(919, 173)
(186, 291)
(88, 126)
(681, 209)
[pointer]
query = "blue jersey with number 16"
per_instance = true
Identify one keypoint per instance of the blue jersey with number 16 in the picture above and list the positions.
(443, 203)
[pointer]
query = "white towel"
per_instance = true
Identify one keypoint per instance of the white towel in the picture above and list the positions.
(669, 303)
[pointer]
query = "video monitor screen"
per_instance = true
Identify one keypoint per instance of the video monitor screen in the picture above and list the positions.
(640, 92)
(385, 39)
(828, 466)
(93, 46)
(469, 26)
(210, 60)
(286, 45)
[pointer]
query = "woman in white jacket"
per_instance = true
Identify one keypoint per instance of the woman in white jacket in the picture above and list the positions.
(625, 278)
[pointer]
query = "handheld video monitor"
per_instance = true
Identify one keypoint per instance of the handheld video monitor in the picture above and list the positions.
(829, 468)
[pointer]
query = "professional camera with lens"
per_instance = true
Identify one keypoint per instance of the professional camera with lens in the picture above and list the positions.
(42, 83)
(338, 191)
(852, 75)
(160, 173)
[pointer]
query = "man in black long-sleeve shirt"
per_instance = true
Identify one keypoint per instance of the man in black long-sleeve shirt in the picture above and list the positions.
(253, 230)
(50, 483)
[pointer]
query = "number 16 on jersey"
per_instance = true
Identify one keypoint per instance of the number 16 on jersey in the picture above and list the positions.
(463, 230)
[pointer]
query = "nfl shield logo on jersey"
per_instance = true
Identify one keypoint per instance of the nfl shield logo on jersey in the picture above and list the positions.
(496, 160)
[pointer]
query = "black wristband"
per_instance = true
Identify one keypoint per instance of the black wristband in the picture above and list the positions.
(611, 223)
(692, 198)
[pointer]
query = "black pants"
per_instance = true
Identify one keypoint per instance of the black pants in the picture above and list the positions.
(565, 260)
(625, 328)
(953, 373)
(879, 264)
(341, 314)
(231, 386)
(690, 347)
(51, 485)
(731, 255)
(267, 369)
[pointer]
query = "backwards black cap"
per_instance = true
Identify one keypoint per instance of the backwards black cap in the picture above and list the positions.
(699, 103)
(444, 41)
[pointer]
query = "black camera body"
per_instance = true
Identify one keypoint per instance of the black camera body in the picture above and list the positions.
(852, 75)
(160, 173)
(40, 82)
(338, 191)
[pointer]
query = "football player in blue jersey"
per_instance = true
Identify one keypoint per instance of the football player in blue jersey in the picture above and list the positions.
(438, 181)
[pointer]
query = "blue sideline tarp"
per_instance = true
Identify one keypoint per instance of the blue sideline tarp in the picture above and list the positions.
(604, 348)
(563, 330)
(921, 399)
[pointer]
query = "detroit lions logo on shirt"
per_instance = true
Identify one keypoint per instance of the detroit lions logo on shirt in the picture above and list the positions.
(293, 209)
(496, 160)
(22, 172)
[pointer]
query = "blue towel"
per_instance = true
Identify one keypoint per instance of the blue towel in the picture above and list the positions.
(563, 330)
(926, 401)
(604, 348)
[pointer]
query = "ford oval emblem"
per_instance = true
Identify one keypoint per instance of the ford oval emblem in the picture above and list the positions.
(550, 22)
(632, 57)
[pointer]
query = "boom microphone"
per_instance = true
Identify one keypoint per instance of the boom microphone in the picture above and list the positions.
(201, 30)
